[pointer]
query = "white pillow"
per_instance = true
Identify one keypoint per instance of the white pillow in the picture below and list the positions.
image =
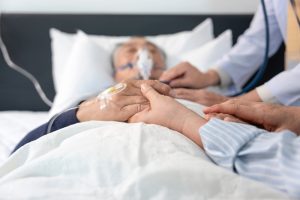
(178, 43)
(61, 46)
(172, 44)
(85, 74)
(82, 64)
(89, 70)
(207, 55)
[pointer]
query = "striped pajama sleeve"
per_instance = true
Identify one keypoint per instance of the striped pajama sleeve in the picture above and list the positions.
(272, 158)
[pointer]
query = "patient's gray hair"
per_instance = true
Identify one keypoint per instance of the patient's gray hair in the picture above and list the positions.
(117, 46)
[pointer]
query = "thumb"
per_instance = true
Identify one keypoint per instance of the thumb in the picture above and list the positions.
(149, 92)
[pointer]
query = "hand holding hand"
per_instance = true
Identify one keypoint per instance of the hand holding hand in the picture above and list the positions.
(121, 106)
(225, 117)
(269, 116)
(166, 111)
(200, 96)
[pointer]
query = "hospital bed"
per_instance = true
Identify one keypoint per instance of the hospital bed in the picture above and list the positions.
(27, 40)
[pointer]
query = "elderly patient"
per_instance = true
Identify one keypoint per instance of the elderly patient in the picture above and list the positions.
(126, 58)
(270, 155)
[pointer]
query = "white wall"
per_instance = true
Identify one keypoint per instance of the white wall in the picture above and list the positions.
(131, 6)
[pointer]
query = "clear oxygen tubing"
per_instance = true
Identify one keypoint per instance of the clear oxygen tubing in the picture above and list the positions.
(22, 71)
(264, 65)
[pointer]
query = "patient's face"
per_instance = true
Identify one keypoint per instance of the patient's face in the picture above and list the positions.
(128, 53)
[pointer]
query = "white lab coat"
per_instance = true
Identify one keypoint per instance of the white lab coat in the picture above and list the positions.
(247, 55)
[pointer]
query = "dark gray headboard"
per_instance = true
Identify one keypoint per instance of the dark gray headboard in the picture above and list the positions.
(28, 42)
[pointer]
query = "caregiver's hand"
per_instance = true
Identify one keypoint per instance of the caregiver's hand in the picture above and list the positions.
(166, 111)
(121, 106)
(200, 96)
(270, 116)
(225, 117)
(187, 76)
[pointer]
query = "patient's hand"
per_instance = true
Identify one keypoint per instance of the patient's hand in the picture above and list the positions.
(270, 116)
(200, 96)
(188, 76)
(121, 106)
(165, 111)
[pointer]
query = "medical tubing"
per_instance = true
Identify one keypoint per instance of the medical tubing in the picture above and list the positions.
(264, 65)
(52, 120)
(22, 71)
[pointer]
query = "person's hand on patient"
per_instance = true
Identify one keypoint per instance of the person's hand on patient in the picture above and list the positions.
(225, 117)
(269, 116)
(200, 96)
(122, 105)
(185, 75)
(167, 112)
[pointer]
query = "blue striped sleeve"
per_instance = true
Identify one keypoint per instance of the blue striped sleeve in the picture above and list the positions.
(272, 158)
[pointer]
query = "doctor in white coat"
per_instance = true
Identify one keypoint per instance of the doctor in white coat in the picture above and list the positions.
(235, 68)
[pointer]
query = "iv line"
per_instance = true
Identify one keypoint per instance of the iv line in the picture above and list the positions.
(22, 71)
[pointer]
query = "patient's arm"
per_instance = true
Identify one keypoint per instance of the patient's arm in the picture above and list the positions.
(87, 111)
(120, 107)
(66, 119)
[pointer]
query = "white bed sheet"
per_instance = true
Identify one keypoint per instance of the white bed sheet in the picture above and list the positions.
(13, 127)
(113, 160)
(119, 161)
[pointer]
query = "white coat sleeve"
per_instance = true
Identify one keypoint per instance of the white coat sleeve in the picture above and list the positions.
(285, 87)
(247, 55)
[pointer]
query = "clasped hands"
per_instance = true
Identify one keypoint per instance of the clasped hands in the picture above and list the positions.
(121, 106)
(150, 102)
(146, 101)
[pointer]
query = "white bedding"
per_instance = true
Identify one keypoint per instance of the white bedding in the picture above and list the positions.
(111, 160)
(13, 127)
